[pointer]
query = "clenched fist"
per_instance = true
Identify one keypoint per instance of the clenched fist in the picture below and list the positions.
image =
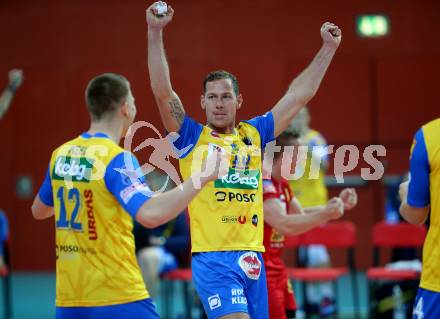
(159, 21)
(349, 198)
(331, 34)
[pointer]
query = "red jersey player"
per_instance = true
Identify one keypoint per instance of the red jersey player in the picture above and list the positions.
(283, 215)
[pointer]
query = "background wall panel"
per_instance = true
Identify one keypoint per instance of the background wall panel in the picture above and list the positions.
(376, 91)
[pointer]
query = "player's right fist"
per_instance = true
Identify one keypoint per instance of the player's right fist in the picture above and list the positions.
(159, 14)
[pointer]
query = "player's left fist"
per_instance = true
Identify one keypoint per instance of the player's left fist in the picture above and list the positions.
(349, 198)
(331, 34)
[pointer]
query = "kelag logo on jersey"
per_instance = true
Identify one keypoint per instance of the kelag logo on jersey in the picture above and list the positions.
(239, 179)
(75, 169)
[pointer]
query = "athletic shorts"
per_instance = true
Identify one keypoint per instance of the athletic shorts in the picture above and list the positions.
(231, 282)
(427, 305)
(281, 296)
(141, 309)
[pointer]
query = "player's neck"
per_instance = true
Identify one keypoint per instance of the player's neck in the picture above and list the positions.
(223, 130)
(113, 131)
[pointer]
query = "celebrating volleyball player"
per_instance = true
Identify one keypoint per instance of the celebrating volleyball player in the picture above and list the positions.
(226, 218)
(283, 215)
(420, 199)
(95, 189)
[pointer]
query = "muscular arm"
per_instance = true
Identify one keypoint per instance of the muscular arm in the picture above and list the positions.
(304, 87)
(170, 107)
(296, 222)
(166, 206)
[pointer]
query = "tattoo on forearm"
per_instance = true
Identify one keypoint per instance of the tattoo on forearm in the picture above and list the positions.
(177, 110)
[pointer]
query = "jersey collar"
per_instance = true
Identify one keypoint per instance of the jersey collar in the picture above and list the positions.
(87, 135)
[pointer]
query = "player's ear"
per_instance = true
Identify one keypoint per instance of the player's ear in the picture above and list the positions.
(239, 101)
(125, 109)
(202, 102)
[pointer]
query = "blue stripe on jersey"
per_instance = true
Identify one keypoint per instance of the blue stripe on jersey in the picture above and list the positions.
(189, 134)
(45, 191)
(265, 127)
(88, 135)
(418, 190)
(123, 178)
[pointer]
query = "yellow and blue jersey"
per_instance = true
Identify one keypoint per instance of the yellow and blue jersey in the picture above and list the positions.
(310, 189)
(227, 214)
(96, 189)
(424, 190)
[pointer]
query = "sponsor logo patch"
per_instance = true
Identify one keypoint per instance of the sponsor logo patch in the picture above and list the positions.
(72, 251)
(255, 220)
(250, 264)
(214, 302)
(75, 169)
(234, 219)
(238, 297)
(127, 175)
(247, 141)
(276, 239)
(135, 188)
(232, 196)
(239, 179)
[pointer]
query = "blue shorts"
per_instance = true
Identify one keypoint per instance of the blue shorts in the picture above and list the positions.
(142, 309)
(427, 305)
(230, 282)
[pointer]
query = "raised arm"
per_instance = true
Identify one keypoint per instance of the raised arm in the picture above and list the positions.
(15, 80)
(304, 87)
(297, 222)
(170, 107)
